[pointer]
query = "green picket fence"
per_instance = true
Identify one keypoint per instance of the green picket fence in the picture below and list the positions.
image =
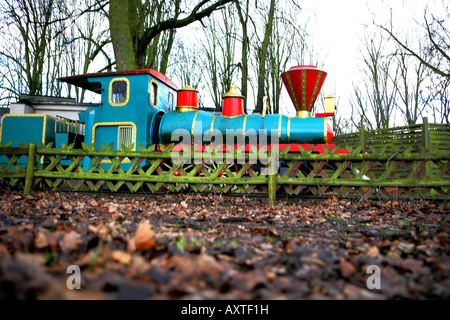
(363, 174)
(418, 137)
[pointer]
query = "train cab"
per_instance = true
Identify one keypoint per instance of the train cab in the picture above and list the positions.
(132, 103)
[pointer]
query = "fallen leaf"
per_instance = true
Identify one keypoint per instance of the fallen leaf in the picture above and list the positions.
(137, 265)
(70, 242)
(200, 264)
(346, 268)
(3, 252)
(443, 265)
(131, 244)
(313, 260)
(143, 238)
(101, 230)
(32, 259)
(406, 247)
(41, 240)
(373, 252)
(248, 281)
(121, 256)
(415, 266)
(111, 207)
(270, 276)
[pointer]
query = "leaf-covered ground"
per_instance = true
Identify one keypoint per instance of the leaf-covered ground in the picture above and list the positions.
(182, 246)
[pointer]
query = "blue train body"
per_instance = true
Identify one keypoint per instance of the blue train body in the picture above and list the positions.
(138, 107)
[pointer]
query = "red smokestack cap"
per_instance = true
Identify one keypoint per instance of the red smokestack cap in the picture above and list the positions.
(303, 84)
(187, 99)
(233, 103)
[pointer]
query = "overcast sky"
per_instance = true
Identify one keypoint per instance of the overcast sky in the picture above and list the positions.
(337, 28)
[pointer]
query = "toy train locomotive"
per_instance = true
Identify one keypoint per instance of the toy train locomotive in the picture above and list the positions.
(145, 107)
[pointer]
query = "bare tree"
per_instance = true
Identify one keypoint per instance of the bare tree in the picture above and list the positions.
(50, 39)
(440, 101)
(189, 67)
(438, 38)
(87, 42)
(342, 124)
(262, 54)
(410, 87)
(374, 100)
(432, 52)
(243, 11)
(287, 43)
(30, 29)
(220, 52)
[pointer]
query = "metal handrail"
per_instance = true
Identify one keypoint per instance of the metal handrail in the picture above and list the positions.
(66, 125)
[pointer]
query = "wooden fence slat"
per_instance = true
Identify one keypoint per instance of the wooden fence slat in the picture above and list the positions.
(424, 136)
(391, 167)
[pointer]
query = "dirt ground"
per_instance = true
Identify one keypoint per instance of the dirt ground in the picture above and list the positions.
(181, 246)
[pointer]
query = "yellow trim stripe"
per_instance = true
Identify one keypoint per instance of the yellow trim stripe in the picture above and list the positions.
(303, 114)
(193, 127)
(289, 130)
(279, 126)
(185, 109)
(303, 81)
(212, 127)
(231, 116)
(44, 133)
(244, 125)
(28, 115)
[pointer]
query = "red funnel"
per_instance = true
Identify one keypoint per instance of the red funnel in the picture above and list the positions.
(303, 84)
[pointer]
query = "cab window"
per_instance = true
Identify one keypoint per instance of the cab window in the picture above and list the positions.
(170, 102)
(119, 90)
(154, 93)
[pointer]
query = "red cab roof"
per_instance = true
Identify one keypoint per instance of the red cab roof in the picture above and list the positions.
(82, 80)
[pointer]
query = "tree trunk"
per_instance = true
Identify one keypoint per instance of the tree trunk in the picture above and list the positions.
(121, 34)
(131, 39)
(166, 53)
(244, 67)
(262, 59)
(244, 81)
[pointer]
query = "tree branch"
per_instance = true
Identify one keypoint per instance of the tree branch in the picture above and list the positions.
(417, 56)
(153, 31)
(435, 45)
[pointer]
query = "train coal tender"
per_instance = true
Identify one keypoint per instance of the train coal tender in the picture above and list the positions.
(144, 107)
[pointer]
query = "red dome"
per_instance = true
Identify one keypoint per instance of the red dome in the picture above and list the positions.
(303, 84)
